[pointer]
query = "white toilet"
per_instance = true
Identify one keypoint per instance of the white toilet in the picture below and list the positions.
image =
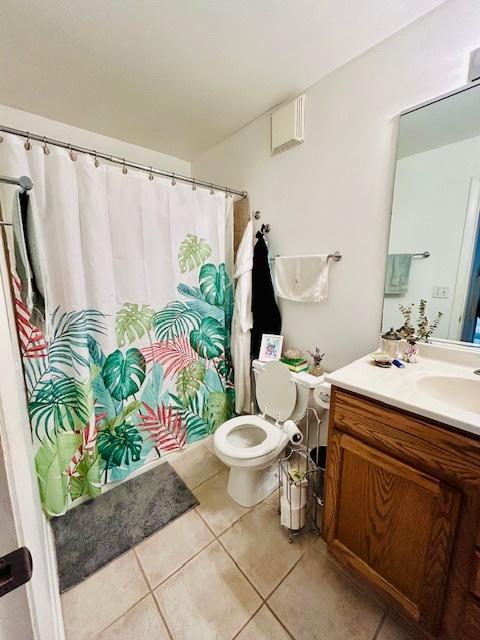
(251, 444)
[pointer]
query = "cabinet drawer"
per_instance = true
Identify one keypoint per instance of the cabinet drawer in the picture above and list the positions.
(438, 451)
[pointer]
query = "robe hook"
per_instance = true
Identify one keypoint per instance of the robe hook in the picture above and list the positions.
(257, 215)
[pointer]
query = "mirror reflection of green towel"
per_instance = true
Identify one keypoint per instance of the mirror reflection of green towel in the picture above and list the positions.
(398, 273)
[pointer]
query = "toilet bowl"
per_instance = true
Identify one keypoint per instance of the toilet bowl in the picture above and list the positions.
(251, 444)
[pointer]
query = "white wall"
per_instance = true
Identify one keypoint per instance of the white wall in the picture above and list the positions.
(429, 211)
(334, 191)
(81, 137)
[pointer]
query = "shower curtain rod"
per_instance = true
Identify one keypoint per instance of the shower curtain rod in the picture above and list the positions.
(125, 163)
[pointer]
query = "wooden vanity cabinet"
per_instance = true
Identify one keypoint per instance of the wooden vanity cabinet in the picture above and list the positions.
(402, 511)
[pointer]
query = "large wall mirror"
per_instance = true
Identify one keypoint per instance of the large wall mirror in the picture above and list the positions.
(434, 248)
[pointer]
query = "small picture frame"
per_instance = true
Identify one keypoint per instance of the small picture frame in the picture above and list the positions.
(270, 348)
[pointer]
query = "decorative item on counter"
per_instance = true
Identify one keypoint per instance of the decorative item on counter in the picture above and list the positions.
(422, 333)
(316, 369)
(271, 347)
(295, 360)
(389, 343)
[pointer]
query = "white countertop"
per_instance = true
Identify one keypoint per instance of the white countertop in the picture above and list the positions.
(398, 387)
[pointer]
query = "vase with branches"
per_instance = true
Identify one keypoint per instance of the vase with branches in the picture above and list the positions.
(421, 332)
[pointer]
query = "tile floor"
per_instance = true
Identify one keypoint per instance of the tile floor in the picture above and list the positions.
(221, 572)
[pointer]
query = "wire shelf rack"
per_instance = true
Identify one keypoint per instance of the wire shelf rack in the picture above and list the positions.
(301, 479)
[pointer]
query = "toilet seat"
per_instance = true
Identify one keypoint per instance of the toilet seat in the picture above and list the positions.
(224, 432)
(276, 391)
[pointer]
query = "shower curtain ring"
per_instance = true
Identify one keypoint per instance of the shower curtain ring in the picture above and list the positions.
(124, 168)
(28, 144)
(73, 155)
(46, 150)
(174, 182)
(150, 175)
(226, 192)
(212, 191)
(96, 161)
(194, 186)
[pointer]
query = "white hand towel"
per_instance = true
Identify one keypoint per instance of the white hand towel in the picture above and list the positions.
(302, 278)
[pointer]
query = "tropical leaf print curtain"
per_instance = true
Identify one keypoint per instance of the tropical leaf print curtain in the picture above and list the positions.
(135, 360)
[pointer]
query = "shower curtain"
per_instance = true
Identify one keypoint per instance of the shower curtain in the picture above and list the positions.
(134, 362)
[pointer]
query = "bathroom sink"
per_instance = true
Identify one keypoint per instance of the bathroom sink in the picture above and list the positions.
(461, 393)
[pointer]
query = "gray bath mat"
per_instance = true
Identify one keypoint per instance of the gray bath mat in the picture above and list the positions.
(94, 533)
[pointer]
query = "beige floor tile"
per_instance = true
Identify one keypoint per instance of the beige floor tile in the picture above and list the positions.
(196, 465)
(143, 621)
(216, 507)
(390, 630)
(103, 597)
(259, 545)
(263, 626)
(208, 598)
(168, 549)
(208, 442)
(317, 600)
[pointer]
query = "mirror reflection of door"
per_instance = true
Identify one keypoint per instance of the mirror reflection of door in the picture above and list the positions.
(471, 322)
(434, 246)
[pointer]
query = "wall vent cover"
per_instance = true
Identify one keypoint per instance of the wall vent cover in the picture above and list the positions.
(474, 68)
(288, 125)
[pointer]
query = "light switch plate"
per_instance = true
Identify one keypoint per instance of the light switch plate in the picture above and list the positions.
(440, 292)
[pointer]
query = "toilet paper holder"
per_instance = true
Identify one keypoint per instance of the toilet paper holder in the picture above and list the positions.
(300, 482)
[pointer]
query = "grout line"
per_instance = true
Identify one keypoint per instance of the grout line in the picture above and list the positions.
(141, 568)
(207, 525)
(150, 589)
(242, 572)
(162, 616)
(264, 598)
(279, 620)
(248, 621)
(97, 633)
(380, 625)
(154, 588)
(217, 473)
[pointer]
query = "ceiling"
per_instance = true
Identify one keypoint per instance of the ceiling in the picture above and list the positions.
(178, 76)
(440, 123)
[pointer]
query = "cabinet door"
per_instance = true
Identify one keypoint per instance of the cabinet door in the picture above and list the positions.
(392, 524)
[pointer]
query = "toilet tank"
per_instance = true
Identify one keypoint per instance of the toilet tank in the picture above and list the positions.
(305, 384)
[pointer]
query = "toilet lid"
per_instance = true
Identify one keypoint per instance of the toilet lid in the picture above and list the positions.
(276, 390)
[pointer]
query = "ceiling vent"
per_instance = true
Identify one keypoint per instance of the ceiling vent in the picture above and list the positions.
(287, 125)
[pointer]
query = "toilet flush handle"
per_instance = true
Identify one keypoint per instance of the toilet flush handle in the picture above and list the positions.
(277, 420)
(264, 412)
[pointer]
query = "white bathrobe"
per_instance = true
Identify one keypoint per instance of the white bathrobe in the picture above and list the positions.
(242, 321)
